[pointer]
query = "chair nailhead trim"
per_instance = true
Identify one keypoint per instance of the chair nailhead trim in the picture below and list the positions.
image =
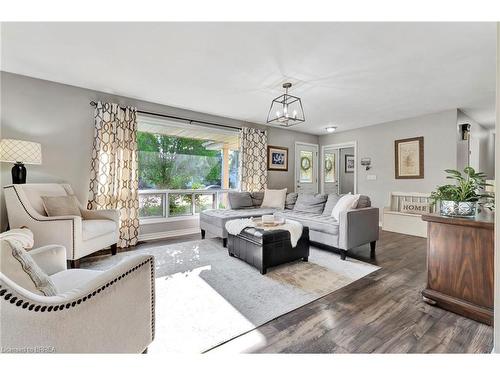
(52, 308)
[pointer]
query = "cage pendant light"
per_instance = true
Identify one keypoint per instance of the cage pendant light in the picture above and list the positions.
(286, 110)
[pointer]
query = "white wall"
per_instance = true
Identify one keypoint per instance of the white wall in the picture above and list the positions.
(377, 142)
(61, 119)
(481, 146)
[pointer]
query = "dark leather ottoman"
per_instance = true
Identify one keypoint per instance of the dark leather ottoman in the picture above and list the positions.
(263, 249)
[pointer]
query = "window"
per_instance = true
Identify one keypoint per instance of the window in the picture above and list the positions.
(306, 171)
(183, 168)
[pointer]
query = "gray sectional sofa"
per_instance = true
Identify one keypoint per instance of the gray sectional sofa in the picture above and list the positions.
(355, 227)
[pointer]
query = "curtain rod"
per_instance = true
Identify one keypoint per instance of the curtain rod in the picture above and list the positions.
(94, 104)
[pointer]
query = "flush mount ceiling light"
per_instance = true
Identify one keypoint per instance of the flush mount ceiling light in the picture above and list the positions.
(286, 110)
(331, 129)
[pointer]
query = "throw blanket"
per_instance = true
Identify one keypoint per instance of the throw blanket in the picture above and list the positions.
(23, 236)
(235, 227)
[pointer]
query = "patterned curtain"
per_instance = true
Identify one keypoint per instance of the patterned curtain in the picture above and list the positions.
(114, 175)
(253, 159)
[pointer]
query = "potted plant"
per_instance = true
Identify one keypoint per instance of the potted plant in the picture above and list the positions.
(462, 198)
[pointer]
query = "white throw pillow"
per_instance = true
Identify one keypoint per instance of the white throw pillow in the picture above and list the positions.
(19, 266)
(345, 203)
(274, 199)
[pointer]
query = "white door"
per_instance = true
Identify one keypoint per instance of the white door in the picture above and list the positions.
(306, 168)
(330, 167)
(338, 168)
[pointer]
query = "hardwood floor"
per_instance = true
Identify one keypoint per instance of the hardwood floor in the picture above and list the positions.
(380, 313)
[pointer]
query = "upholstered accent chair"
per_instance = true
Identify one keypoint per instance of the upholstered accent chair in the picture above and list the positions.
(92, 311)
(81, 235)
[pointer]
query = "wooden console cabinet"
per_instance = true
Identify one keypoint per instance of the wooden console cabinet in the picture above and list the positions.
(460, 265)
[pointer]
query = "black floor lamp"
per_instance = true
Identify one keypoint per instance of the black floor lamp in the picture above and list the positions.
(20, 153)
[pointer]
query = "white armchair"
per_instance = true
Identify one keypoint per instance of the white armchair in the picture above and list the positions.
(108, 311)
(81, 236)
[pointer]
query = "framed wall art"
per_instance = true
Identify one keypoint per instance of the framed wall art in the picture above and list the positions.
(409, 158)
(349, 164)
(277, 158)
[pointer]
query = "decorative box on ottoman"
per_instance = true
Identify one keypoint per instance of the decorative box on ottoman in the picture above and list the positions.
(267, 248)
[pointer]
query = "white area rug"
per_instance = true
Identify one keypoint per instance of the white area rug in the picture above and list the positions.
(204, 297)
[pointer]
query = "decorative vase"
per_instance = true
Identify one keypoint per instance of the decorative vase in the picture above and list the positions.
(452, 208)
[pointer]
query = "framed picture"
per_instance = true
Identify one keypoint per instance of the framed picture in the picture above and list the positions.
(277, 158)
(409, 157)
(349, 164)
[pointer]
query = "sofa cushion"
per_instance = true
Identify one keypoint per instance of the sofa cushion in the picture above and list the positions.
(95, 228)
(274, 199)
(314, 221)
(61, 206)
(257, 198)
(67, 280)
(291, 199)
(330, 203)
(313, 203)
(238, 200)
(19, 266)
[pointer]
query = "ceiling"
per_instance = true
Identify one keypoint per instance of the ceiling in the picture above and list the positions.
(348, 74)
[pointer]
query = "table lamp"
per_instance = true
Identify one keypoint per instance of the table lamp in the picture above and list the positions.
(20, 153)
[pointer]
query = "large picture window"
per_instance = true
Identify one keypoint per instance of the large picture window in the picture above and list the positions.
(184, 169)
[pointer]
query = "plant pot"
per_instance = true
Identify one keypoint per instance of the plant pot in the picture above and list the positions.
(463, 209)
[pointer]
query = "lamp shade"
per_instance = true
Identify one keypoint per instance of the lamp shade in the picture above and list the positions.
(13, 151)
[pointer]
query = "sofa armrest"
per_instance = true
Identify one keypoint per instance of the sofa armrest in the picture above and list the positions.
(358, 227)
(51, 258)
(113, 313)
(101, 215)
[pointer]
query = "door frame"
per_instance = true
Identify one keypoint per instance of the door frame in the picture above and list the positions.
(316, 165)
(353, 144)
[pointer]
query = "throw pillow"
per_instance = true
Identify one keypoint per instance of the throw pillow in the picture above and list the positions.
(274, 199)
(63, 205)
(19, 266)
(257, 197)
(364, 202)
(291, 199)
(345, 203)
(312, 203)
(238, 200)
(419, 208)
(330, 203)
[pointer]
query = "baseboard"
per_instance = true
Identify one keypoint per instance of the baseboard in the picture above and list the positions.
(168, 234)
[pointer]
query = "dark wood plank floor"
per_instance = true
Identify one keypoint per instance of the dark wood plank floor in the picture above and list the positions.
(380, 313)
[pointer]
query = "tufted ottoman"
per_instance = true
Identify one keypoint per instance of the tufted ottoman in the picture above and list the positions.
(267, 248)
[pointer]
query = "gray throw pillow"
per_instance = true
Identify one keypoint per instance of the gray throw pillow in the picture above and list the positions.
(238, 200)
(364, 202)
(312, 203)
(257, 198)
(291, 199)
(64, 205)
(330, 203)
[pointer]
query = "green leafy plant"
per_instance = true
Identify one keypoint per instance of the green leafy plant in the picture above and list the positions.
(468, 187)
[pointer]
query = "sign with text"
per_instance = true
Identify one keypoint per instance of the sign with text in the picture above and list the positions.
(410, 207)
